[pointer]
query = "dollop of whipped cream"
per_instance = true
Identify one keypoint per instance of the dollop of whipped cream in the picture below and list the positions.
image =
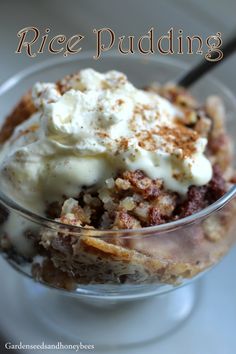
(100, 125)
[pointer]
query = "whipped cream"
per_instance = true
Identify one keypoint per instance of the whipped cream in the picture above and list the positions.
(100, 126)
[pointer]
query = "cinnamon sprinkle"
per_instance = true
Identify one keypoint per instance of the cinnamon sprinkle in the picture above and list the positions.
(177, 138)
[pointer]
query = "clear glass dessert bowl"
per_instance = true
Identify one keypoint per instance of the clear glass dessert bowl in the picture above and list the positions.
(117, 267)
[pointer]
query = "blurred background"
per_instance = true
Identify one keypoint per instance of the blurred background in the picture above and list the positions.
(211, 328)
(132, 17)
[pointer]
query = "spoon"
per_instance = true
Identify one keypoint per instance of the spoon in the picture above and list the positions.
(205, 66)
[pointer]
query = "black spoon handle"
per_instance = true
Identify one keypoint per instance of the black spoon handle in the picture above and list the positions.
(205, 66)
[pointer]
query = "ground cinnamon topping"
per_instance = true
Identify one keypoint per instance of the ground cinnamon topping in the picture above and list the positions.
(124, 144)
(103, 135)
(178, 138)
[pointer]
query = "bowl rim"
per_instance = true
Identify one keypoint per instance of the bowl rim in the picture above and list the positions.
(145, 231)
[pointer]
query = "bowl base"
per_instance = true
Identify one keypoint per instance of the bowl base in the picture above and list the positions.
(107, 324)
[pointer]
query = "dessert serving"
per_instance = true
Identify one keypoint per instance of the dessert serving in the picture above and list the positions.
(102, 162)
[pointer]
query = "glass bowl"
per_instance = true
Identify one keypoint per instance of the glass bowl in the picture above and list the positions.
(111, 268)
